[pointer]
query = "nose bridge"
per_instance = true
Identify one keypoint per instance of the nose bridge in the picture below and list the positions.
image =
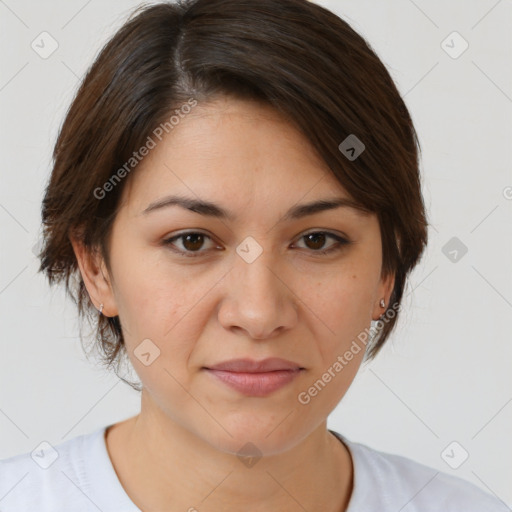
(256, 298)
(253, 265)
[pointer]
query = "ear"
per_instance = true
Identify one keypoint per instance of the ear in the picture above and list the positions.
(384, 291)
(96, 278)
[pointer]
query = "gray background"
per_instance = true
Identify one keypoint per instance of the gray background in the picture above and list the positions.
(445, 374)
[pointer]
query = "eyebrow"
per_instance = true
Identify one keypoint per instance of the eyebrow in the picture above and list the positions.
(210, 209)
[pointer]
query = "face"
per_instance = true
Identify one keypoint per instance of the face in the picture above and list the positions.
(195, 290)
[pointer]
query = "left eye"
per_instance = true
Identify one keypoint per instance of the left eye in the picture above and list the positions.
(192, 241)
(318, 238)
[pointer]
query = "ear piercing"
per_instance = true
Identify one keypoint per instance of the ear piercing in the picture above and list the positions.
(382, 305)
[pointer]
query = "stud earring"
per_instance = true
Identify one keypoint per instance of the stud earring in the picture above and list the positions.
(382, 303)
(101, 308)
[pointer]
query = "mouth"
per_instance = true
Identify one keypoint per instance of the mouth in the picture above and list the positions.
(255, 378)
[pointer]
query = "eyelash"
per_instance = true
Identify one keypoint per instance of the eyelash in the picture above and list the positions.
(341, 243)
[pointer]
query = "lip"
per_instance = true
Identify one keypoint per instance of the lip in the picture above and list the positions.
(255, 378)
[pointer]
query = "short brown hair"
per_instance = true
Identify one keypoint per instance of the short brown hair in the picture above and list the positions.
(296, 56)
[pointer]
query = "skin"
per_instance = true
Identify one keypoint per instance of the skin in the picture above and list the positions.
(179, 453)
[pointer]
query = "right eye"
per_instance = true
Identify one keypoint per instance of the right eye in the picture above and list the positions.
(192, 241)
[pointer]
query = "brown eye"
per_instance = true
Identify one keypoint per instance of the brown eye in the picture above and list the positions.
(316, 240)
(191, 243)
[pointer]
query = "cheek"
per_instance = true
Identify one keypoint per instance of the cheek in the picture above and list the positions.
(154, 305)
(342, 312)
(341, 305)
(148, 295)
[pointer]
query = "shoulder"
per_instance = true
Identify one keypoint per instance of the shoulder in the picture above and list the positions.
(50, 477)
(386, 482)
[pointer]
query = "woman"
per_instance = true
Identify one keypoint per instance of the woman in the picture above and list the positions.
(236, 190)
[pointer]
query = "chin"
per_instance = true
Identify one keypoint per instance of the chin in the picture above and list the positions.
(251, 432)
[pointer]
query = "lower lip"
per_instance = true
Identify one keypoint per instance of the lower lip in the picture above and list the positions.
(256, 384)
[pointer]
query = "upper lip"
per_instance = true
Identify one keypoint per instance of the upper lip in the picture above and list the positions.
(250, 366)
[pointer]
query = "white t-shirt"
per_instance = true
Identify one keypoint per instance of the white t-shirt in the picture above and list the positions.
(78, 476)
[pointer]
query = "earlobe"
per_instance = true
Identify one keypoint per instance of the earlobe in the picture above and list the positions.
(95, 277)
(383, 297)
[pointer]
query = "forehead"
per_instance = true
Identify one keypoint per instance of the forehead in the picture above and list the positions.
(235, 152)
(231, 128)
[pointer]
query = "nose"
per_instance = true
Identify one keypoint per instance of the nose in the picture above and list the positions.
(258, 299)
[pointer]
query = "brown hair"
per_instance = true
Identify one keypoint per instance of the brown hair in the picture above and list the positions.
(295, 55)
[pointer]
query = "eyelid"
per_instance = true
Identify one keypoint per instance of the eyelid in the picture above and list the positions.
(341, 241)
(169, 241)
(327, 232)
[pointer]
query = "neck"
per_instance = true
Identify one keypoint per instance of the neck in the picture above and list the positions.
(163, 466)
